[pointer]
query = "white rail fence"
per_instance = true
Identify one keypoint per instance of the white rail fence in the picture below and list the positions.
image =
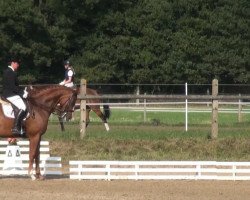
(159, 170)
(18, 164)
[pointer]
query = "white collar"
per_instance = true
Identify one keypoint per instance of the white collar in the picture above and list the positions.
(11, 68)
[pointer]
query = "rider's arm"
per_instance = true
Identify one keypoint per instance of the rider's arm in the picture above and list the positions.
(62, 83)
(69, 80)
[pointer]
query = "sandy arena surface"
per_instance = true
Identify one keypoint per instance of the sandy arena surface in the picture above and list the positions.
(64, 188)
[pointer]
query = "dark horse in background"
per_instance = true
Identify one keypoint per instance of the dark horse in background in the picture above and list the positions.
(92, 104)
(41, 102)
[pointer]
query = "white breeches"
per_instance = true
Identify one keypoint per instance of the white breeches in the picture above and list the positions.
(18, 102)
(71, 84)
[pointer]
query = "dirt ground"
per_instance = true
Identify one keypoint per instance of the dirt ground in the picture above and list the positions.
(64, 188)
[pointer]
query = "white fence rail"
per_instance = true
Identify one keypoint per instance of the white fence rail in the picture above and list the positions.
(48, 166)
(19, 163)
(159, 170)
(24, 147)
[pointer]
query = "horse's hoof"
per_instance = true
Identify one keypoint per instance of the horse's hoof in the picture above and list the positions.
(40, 177)
(37, 176)
(32, 175)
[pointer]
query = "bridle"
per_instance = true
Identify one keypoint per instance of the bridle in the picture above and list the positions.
(66, 105)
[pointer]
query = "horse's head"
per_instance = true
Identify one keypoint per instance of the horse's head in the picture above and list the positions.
(53, 98)
(66, 104)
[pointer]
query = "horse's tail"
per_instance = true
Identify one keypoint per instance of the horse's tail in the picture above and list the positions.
(106, 110)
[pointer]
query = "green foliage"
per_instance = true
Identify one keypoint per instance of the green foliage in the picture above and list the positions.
(129, 41)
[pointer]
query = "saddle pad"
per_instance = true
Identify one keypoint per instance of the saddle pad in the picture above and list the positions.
(8, 110)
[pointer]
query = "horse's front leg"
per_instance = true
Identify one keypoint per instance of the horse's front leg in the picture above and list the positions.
(37, 163)
(34, 155)
(61, 123)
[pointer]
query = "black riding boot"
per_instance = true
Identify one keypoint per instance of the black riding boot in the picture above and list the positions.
(17, 128)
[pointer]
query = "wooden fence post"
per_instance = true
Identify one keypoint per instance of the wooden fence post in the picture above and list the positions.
(215, 107)
(83, 86)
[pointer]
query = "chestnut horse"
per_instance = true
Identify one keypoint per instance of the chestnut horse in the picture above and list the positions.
(92, 104)
(41, 102)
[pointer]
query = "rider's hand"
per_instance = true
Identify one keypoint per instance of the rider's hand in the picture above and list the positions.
(25, 93)
(62, 83)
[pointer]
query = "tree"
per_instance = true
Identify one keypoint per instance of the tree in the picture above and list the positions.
(128, 41)
(24, 34)
(211, 41)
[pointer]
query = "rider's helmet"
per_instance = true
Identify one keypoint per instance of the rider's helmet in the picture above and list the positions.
(14, 59)
(66, 62)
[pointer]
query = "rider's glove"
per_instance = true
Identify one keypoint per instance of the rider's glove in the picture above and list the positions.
(62, 83)
(25, 93)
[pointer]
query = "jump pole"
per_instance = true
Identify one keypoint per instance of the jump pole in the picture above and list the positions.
(83, 86)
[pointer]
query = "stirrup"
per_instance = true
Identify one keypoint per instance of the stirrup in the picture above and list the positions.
(18, 133)
(15, 131)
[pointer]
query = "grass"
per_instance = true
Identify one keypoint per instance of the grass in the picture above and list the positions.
(132, 139)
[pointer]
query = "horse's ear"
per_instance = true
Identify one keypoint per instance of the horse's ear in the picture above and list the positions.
(29, 88)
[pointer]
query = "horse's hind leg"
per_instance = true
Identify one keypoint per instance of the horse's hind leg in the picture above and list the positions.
(103, 118)
(87, 116)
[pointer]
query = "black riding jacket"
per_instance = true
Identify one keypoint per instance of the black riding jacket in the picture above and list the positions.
(11, 84)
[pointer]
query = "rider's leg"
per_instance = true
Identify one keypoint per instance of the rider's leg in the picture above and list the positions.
(17, 127)
(19, 115)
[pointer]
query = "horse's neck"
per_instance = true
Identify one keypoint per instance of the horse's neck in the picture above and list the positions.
(46, 98)
(48, 94)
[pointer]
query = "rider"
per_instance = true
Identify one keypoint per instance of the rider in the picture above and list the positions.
(69, 75)
(14, 94)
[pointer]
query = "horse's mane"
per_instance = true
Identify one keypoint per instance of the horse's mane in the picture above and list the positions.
(45, 89)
